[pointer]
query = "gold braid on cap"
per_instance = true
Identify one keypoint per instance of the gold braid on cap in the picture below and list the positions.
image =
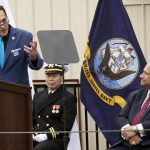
(53, 70)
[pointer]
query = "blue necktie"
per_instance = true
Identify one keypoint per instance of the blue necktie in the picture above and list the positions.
(1, 52)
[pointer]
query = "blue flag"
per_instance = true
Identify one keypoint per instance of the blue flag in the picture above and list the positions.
(112, 65)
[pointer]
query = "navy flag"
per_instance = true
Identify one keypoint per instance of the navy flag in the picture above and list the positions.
(112, 65)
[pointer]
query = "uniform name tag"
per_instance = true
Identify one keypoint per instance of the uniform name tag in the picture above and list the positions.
(15, 52)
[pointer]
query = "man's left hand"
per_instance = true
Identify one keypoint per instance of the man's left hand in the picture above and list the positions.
(31, 50)
(40, 137)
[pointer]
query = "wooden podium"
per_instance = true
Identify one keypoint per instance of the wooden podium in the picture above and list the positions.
(15, 116)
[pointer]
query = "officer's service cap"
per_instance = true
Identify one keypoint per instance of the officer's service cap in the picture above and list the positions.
(54, 68)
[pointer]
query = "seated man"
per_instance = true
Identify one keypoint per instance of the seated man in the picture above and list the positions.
(135, 118)
(53, 109)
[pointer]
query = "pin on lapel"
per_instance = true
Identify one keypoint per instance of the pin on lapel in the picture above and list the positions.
(13, 38)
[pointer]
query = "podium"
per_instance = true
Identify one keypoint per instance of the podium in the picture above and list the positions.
(15, 116)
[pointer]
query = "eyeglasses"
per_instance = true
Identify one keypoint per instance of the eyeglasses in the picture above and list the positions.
(3, 21)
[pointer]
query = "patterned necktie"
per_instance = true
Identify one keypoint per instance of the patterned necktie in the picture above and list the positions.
(2, 55)
(137, 119)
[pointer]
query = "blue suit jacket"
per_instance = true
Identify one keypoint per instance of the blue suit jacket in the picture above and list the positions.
(16, 61)
(134, 103)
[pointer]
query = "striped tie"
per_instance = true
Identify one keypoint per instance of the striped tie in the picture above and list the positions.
(2, 55)
(137, 119)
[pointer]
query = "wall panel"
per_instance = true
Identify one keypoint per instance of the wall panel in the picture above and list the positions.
(78, 26)
(138, 25)
(147, 32)
(42, 15)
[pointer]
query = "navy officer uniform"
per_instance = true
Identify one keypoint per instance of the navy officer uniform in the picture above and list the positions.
(48, 114)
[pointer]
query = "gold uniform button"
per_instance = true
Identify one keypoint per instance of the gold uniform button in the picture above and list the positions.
(47, 116)
(39, 116)
(38, 125)
(47, 125)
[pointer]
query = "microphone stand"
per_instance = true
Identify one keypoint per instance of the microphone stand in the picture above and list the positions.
(65, 137)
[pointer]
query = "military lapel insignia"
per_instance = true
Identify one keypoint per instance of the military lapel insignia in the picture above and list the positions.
(55, 108)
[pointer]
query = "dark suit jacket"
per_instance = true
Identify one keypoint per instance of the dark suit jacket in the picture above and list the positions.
(134, 103)
(16, 61)
(50, 110)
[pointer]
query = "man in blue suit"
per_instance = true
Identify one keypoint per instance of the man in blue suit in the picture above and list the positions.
(135, 118)
(17, 52)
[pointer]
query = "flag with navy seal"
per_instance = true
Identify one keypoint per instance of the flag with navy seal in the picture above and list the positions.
(112, 65)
